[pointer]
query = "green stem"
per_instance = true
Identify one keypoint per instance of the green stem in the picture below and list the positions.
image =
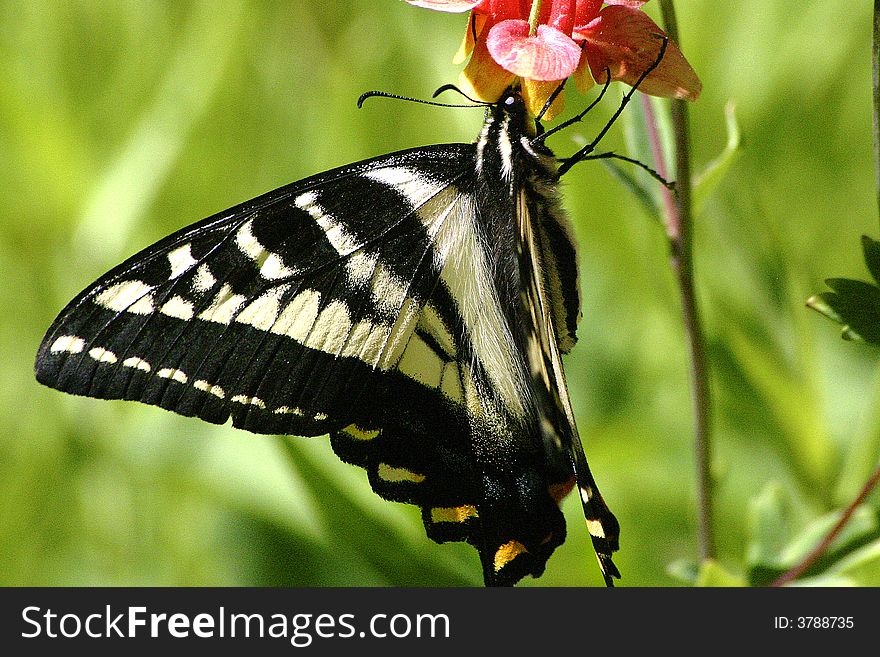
(533, 17)
(679, 223)
(875, 59)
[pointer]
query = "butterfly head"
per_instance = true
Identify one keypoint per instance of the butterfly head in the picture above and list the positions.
(511, 110)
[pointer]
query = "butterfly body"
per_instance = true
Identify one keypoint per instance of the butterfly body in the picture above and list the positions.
(414, 306)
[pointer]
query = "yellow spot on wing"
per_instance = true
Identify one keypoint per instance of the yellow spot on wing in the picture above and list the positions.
(507, 553)
(596, 528)
(454, 513)
(390, 473)
(181, 260)
(359, 433)
(204, 280)
(366, 340)
(450, 384)
(262, 312)
(331, 328)
(419, 362)
(224, 306)
(282, 410)
(298, 317)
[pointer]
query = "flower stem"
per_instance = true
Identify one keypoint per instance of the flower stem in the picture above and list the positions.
(875, 83)
(826, 542)
(534, 16)
(678, 222)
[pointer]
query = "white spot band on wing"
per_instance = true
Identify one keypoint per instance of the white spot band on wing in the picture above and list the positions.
(69, 343)
(131, 296)
(181, 260)
(341, 240)
(173, 374)
(271, 264)
(102, 355)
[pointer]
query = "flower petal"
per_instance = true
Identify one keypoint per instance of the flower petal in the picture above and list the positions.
(582, 76)
(586, 11)
(635, 4)
(560, 14)
(455, 6)
(483, 78)
(624, 40)
(501, 10)
(549, 55)
(536, 92)
(475, 27)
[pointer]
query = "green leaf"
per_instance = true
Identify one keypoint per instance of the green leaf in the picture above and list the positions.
(793, 405)
(714, 574)
(818, 303)
(862, 567)
(862, 526)
(861, 529)
(708, 179)
(854, 304)
(871, 249)
(775, 548)
(770, 526)
(858, 305)
(684, 570)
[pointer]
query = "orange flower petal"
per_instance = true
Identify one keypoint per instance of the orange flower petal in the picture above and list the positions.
(467, 44)
(583, 77)
(536, 92)
(625, 41)
(483, 78)
(549, 55)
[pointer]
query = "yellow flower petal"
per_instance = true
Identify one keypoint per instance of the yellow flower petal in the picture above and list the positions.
(475, 27)
(536, 92)
(483, 78)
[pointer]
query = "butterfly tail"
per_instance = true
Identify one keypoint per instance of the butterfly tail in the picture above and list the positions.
(603, 526)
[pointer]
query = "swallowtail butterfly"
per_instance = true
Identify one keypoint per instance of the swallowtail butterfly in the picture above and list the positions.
(414, 306)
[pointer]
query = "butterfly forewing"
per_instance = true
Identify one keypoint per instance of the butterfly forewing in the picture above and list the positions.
(243, 313)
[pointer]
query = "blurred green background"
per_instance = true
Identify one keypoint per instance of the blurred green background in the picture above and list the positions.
(123, 121)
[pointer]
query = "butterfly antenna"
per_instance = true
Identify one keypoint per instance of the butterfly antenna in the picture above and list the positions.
(553, 96)
(452, 87)
(589, 148)
(580, 116)
(385, 94)
(611, 155)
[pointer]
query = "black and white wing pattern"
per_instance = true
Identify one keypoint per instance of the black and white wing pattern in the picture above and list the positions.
(413, 306)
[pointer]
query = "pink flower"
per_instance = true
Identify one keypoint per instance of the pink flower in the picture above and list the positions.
(579, 38)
